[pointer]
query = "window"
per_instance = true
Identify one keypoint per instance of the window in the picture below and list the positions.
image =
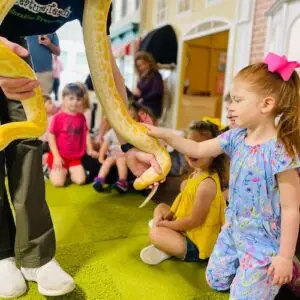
(126, 67)
(211, 2)
(64, 58)
(132, 6)
(116, 11)
(81, 58)
(293, 42)
(161, 11)
(183, 6)
(113, 15)
(128, 71)
(274, 38)
(120, 64)
(124, 8)
(137, 4)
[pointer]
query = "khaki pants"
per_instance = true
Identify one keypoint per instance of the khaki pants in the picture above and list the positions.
(31, 237)
(46, 80)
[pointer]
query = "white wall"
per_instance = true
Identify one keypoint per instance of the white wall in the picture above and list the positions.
(294, 43)
(73, 53)
(283, 29)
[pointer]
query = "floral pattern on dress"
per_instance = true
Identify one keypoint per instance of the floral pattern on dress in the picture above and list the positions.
(244, 250)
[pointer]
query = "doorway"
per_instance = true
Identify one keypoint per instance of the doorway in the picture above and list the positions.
(204, 61)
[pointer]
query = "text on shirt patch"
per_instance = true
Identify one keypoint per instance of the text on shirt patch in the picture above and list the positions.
(50, 9)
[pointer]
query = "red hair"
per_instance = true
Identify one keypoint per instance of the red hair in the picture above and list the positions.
(287, 97)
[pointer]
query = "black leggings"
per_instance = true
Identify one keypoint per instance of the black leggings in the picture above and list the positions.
(93, 166)
(55, 88)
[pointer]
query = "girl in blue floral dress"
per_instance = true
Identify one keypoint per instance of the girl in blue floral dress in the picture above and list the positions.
(254, 253)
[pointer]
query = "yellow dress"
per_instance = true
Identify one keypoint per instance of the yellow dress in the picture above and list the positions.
(204, 236)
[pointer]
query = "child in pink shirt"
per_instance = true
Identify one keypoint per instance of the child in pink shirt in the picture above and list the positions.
(69, 139)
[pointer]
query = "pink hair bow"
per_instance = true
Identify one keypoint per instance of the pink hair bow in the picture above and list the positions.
(281, 65)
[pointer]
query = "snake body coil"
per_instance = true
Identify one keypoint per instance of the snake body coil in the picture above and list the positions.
(97, 49)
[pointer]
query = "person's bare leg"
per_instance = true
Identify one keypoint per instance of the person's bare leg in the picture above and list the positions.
(122, 168)
(169, 241)
(100, 182)
(122, 184)
(106, 166)
(58, 177)
(77, 174)
(160, 210)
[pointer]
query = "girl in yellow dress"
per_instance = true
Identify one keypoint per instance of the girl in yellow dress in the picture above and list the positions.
(189, 228)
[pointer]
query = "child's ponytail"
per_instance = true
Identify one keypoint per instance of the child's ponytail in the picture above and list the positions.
(289, 122)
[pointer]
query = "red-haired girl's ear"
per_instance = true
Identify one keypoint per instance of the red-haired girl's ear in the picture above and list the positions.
(268, 104)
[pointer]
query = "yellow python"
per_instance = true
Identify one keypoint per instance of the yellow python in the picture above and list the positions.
(97, 48)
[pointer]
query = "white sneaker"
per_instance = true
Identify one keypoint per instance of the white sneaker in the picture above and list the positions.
(52, 280)
(12, 283)
(153, 256)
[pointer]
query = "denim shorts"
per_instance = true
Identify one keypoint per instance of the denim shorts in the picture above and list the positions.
(192, 252)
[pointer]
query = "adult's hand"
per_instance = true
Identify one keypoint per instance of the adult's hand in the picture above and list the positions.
(137, 92)
(17, 88)
(138, 162)
(44, 40)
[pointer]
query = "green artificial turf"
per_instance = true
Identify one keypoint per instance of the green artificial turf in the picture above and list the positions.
(99, 237)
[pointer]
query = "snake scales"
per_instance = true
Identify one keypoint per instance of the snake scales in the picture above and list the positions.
(98, 55)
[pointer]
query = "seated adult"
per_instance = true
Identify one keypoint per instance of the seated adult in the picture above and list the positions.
(150, 87)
